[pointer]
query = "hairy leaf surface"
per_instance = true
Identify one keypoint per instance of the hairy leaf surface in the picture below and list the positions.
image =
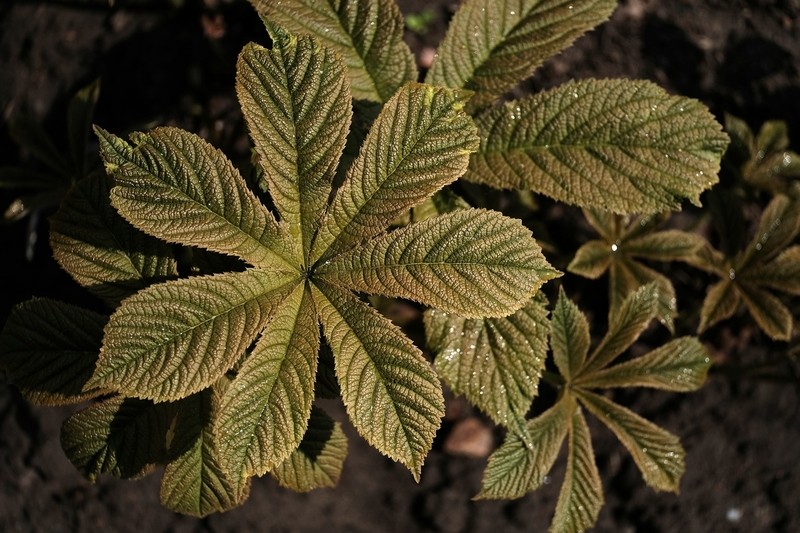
(50, 349)
(444, 261)
(494, 362)
(569, 336)
(491, 45)
(721, 302)
(368, 35)
(771, 315)
(419, 143)
(621, 145)
(392, 395)
(176, 338)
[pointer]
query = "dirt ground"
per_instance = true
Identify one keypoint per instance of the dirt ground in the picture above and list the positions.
(161, 64)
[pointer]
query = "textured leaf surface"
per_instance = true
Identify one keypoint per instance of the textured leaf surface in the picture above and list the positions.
(319, 459)
(621, 145)
(515, 468)
(591, 260)
(368, 35)
(49, 350)
(581, 495)
(100, 250)
(680, 365)
(667, 245)
(296, 100)
(658, 453)
(419, 143)
(777, 228)
(626, 276)
(120, 436)
(193, 482)
(264, 412)
(781, 274)
(721, 302)
(771, 315)
(492, 45)
(176, 338)
(391, 393)
(474, 263)
(179, 188)
(494, 362)
(569, 336)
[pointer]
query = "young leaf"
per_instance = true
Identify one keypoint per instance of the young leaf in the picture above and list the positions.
(494, 362)
(721, 302)
(625, 146)
(515, 468)
(569, 336)
(176, 338)
(442, 260)
(782, 273)
(100, 250)
(264, 412)
(419, 143)
(658, 454)
(120, 436)
(581, 495)
(179, 188)
(492, 45)
(391, 393)
(319, 459)
(768, 311)
(296, 100)
(50, 349)
(193, 482)
(592, 259)
(368, 35)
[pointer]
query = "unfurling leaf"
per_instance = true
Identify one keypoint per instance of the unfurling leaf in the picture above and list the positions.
(624, 146)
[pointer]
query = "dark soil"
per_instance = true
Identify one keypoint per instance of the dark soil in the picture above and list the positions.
(161, 64)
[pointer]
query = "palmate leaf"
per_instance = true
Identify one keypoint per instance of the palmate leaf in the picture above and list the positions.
(209, 321)
(368, 35)
(264, 413)
(297, 104)
(625, 146)
(442, 260)
(193, 482)
(319, 459)
(102, 251)
(492, 45)
(50, 349)
(494, 362)
(391, 393)
(419, 143)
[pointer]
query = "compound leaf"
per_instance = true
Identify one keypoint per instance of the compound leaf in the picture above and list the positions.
(264, 412)
(296, 100)
(368, 35)
(658, 453)
(419, 143)
(494, 362)
(621, 145)
(179, 188)
(319, 459)
(474, 263)
(491, 45)
(50, 349)
(390, 392)
(176, 338)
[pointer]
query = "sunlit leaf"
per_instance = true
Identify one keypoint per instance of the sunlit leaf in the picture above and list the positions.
(621, 145)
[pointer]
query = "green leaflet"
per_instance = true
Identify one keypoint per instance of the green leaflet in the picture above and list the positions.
(492, 45)
(176, 338)
(658, 454)
(391, 393)
(625, 146)
(264, 413)
(368, 35)
(120, 436)
(569, 336)
(319, 459)
(442, 261)
(782, 273)
(193, 482)
(49, 350)
(721, 302)
(179, 188)
(515, 468)
(100, 250)
(581, 495)
(297, 104)
(495, 362)
(419, 143)
(771, 315)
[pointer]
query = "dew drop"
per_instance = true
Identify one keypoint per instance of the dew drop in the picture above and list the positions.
(732, 274)
(614, 247)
